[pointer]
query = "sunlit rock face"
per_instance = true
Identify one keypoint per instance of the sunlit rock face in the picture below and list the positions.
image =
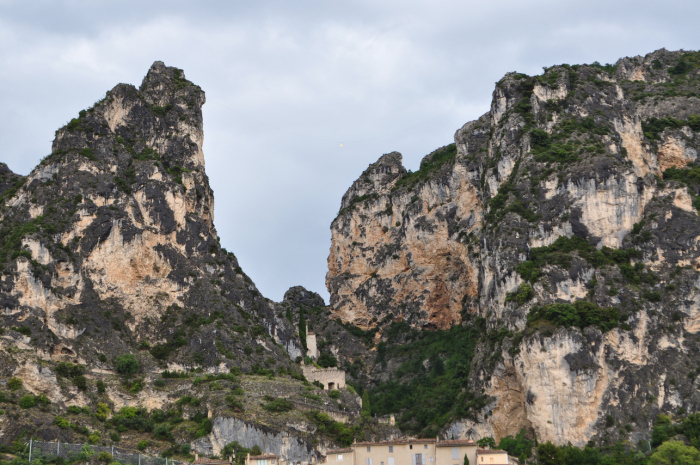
(578, 153)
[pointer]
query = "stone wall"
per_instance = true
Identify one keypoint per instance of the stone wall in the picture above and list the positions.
(331, 378)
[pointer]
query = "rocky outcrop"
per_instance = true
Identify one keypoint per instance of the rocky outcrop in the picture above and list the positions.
(108, 248)
(578, 153)
(226, 430)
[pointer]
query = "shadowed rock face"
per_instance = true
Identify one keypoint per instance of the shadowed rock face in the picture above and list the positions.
(576, 154)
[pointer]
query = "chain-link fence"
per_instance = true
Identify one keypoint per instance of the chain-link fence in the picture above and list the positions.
(73, 452)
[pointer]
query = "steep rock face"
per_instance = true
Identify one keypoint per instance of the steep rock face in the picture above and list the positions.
(226, 430)
(393, 243)
(556, 196)
(109, 246)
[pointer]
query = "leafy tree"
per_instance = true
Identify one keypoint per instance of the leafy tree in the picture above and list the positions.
(327, 360)
(663, 430)
(691, 428)
(519, 446)
(127, 365)
(487, 442)
(255, 451)
(675, 453)
(549, 454)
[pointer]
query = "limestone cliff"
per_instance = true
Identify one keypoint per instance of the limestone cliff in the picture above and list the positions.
(574, 196)
(108, 248)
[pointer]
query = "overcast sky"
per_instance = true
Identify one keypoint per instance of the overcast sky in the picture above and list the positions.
(303, 95)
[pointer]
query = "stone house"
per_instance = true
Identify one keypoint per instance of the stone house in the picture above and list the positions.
(331, 378)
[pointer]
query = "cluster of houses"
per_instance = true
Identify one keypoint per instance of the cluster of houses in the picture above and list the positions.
(396, 452)
(418, 452)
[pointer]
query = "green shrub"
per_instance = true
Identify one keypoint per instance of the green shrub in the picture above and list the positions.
(69, 370)
(14, 383)
(80, 382)
(522, 295)
(233, 403)
(278, 406)
(334, 394)
(162, 432)
(61, 422)
(429, 165)
(104, 457)
(25, 330)
(581, 314)
(127, 365)
(136, 386)
(561, 252)
(87, 153)
(86, 452)
(100, 386)
(339, 433)
(142, 445)
(30, 401)
(74, 409)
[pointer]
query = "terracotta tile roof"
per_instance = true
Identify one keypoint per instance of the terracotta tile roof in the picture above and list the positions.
(398, 441)
(206, 461)
(456, 442)
(339, 451)
(490, 451)
(263, 456)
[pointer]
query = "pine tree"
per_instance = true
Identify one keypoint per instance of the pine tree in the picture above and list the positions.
(302, 329)
(366, 410)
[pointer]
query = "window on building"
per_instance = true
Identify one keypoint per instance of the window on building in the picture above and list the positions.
(425, 446)
(369, 448)
(262, 462)
(391, 449)
(391, 460)
(340, 457)
(411, 446)
(382, 463)
(369, 461)
(455, 453)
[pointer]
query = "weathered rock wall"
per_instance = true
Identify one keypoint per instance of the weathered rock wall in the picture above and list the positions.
(578, 152)
(280, 443)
